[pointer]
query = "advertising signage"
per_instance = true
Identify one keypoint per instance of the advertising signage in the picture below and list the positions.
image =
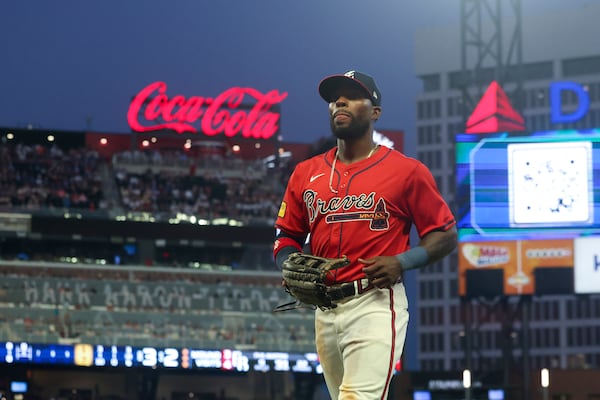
(494, 113)
(528, 202)
(236, 111)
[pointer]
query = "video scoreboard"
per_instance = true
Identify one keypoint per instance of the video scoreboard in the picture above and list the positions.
(528, 212)
(88, 355)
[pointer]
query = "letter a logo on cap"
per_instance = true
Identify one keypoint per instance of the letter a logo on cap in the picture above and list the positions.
(350, 74)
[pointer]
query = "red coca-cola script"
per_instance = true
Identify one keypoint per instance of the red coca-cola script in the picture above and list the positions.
(151, 109)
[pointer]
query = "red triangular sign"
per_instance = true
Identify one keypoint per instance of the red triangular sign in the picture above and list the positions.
(494, 113)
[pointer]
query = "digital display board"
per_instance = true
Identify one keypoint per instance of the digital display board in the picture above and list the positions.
(538, 185)
(523, 199)
(587, 265)
(88, 355)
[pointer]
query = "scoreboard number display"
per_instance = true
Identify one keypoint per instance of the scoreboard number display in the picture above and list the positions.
(96, 355)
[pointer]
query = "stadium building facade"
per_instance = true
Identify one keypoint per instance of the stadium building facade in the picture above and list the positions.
(563, 330)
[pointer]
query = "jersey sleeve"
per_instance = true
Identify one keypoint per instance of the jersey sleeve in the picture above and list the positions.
(428, 209)
(291, 217)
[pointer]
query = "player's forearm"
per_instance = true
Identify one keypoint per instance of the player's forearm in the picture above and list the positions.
(433, 246)
(283, 247)
(283, 255)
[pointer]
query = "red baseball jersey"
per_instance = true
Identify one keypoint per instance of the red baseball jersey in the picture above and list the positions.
(378, 199)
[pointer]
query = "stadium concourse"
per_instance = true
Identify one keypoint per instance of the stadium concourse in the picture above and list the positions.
(139, 250)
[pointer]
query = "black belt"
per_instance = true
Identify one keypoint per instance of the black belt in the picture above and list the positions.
(349, 289)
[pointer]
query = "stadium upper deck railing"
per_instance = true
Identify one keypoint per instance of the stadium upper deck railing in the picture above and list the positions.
(140, 306)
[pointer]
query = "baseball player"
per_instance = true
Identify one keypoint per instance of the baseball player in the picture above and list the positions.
(360, 200)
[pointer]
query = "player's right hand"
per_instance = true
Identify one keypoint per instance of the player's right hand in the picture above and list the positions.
(382, 271)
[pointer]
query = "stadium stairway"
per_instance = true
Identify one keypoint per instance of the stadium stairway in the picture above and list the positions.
(109, 187)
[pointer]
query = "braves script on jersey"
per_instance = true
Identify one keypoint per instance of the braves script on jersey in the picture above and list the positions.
(377, 200)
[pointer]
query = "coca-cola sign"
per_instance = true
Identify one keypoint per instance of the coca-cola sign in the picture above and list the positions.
(152, 109)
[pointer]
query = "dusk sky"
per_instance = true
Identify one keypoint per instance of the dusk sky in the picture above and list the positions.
(74, 65)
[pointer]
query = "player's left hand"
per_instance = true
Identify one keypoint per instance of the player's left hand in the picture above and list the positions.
(382, 271)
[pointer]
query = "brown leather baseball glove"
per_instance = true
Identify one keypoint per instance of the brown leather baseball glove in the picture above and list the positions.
(304, 276)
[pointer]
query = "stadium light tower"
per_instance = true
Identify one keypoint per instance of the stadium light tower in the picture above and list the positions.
(492, 50)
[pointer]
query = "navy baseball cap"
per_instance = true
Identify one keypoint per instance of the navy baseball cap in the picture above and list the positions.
(360, 80)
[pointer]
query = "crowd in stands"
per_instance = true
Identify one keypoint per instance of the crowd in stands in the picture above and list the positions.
(34, 176)
(207, 187)
(205, 197)
(168, 182)
(179, 160)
